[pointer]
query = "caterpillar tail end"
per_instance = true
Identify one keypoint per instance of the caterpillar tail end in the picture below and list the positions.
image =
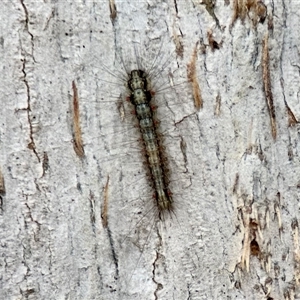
(164, 204)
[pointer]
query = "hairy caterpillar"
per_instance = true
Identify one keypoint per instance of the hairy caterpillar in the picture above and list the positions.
(140, 97)
(141, 89)
(119, 157)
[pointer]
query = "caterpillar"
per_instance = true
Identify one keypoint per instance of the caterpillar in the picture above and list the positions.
(141, 209)
(140, 96)
(142, 93)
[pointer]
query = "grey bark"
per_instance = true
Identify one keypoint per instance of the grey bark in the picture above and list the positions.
(234, 233)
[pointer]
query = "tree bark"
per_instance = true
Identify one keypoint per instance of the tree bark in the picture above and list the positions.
(77, 216)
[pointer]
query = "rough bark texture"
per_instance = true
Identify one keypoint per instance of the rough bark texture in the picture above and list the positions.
(77, 216)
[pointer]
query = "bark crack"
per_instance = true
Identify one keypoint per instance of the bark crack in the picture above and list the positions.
(210, 7)
(114, 255)
(27, 26)
(31, 145)
(158, 285)
(2, 191)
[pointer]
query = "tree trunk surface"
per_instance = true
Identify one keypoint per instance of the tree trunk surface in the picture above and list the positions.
(77, 213)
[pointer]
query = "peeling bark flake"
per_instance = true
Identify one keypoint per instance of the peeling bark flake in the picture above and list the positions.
(218, 105)
(104, 212)
(255, 10)
(192, 77)
(267, 85)
(77, 142)
(113, 10)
